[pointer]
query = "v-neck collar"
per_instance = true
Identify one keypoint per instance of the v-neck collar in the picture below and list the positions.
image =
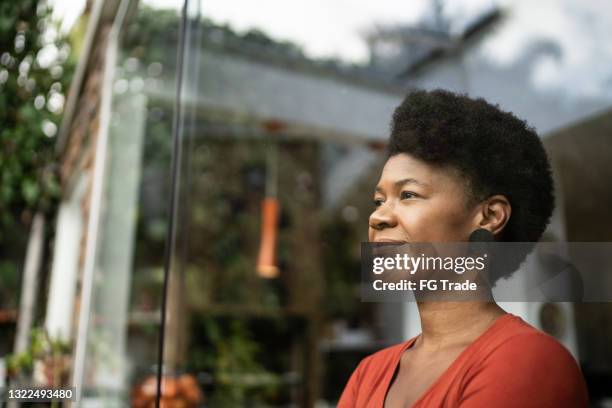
(446, 372)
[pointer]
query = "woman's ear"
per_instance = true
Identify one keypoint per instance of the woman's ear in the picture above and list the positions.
(495, 214)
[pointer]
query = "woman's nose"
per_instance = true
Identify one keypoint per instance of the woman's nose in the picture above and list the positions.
(382, 218)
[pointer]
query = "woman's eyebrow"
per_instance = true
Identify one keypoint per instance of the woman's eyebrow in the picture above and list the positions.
(410, 180)
(401, 182)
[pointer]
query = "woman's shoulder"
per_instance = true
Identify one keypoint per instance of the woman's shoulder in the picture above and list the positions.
(531, 362)
(522, 352)
(517, 337)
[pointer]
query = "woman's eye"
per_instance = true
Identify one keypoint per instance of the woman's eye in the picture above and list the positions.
(407, 194)
(378, 202)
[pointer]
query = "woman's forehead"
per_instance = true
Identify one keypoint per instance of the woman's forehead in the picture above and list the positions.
(406, 167)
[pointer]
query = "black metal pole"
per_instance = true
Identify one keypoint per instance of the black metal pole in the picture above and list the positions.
(174, 195)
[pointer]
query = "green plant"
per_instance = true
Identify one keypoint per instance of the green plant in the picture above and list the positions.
(233, 359)
(52, 353)
(34, 75)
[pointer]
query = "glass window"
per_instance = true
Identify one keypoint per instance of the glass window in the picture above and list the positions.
(279, 155)
(117, 365)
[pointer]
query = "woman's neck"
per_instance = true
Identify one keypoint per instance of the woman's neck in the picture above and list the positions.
(447, 324)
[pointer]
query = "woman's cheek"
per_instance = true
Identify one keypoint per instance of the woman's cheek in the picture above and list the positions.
(415, 225)
(423, 225)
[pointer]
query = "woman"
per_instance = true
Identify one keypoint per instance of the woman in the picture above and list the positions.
(456, 165)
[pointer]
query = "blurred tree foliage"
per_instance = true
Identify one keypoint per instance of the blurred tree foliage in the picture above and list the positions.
(34, 75)
(152, 37)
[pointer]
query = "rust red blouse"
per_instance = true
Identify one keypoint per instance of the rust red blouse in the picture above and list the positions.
(510, 365)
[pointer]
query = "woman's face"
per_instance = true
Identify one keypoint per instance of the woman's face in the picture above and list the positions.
(418, 202)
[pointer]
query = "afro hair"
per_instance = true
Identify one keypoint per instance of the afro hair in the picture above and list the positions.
(495, 151)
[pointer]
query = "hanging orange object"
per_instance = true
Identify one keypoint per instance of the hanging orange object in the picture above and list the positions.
(266, 261)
